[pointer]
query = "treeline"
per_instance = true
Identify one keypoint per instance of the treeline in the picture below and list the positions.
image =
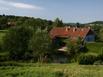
(97, 22)
(7, 21)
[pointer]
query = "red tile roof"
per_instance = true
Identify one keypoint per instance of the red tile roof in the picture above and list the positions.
(69, 32)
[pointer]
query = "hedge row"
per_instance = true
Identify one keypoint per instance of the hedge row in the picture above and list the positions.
(89, 59)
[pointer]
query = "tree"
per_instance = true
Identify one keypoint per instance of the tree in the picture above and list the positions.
(71, 48)
(40, 44)
(3, 22)
(24, 21)
(101, 34)
(74, 48)
(97, 29)
(78, 24)
(16, 41)
(57, 23)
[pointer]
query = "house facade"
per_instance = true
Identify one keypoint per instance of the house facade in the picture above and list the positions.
(87, 34)
(58, 34)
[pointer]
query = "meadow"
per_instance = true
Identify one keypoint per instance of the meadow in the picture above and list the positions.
(95, 47)
(51, 70)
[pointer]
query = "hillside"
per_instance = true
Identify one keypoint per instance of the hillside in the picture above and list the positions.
(96, 22)
(11, 20)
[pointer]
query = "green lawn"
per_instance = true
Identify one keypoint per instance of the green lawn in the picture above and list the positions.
(51, 70)
(95, 47)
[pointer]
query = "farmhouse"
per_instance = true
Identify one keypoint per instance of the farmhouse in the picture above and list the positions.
(60, 33)
(87, 34)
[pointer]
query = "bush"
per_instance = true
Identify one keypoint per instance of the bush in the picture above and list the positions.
(87, 59)
(83, 49)
(0, 47)
(4, 57)
(98, 62)
(100, 57)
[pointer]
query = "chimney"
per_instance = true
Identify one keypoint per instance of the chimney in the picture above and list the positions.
(74, 29)
(67, 28)
(89, 27)
(82, 29)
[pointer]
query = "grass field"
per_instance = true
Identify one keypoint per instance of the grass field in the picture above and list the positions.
(95, 47)
(51, 70)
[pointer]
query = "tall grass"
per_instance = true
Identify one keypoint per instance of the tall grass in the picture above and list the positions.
(51, 70)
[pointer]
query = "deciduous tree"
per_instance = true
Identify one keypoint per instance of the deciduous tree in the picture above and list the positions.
(40, 44)
(16, 42)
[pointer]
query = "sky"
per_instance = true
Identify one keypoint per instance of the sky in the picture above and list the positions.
(82, 11)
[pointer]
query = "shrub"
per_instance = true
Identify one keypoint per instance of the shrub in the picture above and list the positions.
(4, 57)
(0, 47)
(100, 57)
(98, 62)
(87, 59)
(83, 49)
